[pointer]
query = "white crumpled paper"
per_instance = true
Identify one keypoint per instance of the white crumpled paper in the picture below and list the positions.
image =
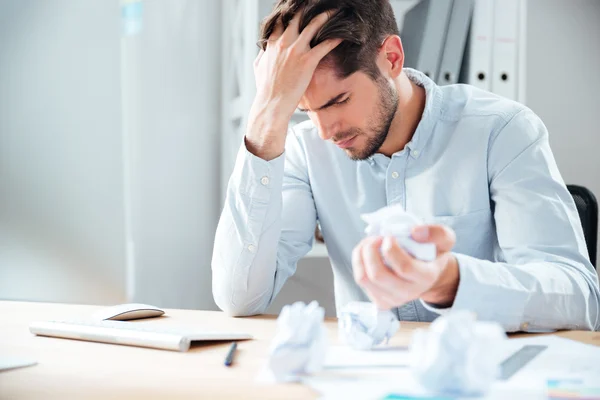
(300, 344)
(362, 325)
(395, 221)
(457, 355)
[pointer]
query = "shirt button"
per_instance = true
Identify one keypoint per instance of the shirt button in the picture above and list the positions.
(415, 153)
(395, 175)
(251, 248)
(264, 180)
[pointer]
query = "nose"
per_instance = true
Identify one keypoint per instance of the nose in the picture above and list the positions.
(327, 125)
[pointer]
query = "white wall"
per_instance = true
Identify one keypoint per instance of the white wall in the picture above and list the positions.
(61, 225)
(175, 109)
(64, 81)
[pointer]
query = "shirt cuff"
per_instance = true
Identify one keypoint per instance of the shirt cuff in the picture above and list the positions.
(255, 177)
(432, 308)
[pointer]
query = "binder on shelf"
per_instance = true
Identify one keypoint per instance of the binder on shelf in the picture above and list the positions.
(423, 35)
(477, 70)
(456, 38)
(505, 50)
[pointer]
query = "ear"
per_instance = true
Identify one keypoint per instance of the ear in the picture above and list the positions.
(391, 56)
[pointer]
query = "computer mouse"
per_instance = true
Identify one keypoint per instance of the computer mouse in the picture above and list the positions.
(127, 312)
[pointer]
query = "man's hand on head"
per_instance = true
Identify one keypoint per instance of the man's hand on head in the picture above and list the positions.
(391, 277)
(283, 72)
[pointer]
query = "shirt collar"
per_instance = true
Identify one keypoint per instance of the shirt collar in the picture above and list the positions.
(432, 110)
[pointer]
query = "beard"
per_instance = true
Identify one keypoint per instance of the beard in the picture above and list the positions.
(378, 125)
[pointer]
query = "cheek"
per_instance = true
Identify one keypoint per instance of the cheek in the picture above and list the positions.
(356, 116)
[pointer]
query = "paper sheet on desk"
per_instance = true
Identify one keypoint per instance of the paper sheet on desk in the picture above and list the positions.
(351, 374)
(403, 386)
(564, 358)
(384, 374)
(344, 357)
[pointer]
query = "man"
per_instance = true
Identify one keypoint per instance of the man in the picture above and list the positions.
(477, 167)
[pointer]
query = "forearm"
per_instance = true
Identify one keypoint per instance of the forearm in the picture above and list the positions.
(266, 132)
(548, 295)
(245, 250)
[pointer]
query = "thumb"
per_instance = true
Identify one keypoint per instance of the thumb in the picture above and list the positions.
(442, 235)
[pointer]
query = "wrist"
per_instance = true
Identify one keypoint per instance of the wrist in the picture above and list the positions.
(273, 113)
(265, 135)
(443, 292)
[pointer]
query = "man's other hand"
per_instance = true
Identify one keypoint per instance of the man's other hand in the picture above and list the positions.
(391, 277)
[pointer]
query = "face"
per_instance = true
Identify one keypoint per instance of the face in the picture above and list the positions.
(355, 113)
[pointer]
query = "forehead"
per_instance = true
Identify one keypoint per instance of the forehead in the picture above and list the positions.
(326, 84)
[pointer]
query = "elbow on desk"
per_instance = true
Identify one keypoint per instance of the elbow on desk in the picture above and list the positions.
(234, 310)
(227, 298)
(240, 308)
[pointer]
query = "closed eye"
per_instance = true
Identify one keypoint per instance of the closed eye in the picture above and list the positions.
(331, 103)
(339, 103)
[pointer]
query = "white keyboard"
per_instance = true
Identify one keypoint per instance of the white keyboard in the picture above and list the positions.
(131, 333)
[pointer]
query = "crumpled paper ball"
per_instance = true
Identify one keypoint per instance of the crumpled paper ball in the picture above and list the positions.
(395, 221)
(362, 325)
(457, 355)
(300, 344)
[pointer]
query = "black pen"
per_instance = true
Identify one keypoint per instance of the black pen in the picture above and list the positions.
(230, 353)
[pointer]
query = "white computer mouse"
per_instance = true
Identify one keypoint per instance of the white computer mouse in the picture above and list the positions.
(126, 312)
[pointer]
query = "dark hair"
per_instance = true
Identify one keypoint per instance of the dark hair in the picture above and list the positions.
(362, 25)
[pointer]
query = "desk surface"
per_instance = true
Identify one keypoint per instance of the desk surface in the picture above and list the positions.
(78, 369)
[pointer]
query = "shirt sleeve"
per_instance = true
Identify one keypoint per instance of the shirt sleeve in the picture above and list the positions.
(546, 280)
(266, 226)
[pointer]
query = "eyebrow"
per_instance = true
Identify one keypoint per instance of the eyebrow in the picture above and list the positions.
(331, 102)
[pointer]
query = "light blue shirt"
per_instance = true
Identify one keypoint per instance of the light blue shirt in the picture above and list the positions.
(477, 162)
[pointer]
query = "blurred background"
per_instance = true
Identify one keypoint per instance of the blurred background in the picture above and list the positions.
(120, 120)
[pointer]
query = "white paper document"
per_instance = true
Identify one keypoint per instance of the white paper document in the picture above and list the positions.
(563, 359)
(384, 373)
(344, 357)
(403, 386)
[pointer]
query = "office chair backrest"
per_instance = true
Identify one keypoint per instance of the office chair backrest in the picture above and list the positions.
(587, 207)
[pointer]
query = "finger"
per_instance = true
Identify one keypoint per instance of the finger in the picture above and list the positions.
(361, 278)
(404, 265)
(358, 263)
(258, 57)
(442, 235)
(358, 268)
(317, 53)
(379, 274)
(277, 31)
(312, 28)
(292, 31)
(398, 259)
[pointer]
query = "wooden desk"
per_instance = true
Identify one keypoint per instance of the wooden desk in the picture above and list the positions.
(78, 369)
